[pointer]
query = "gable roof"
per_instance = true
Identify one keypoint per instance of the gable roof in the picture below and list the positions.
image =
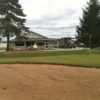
(34, 35)
(31, 36)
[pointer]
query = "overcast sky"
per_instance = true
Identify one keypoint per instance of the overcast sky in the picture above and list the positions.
(53, 18)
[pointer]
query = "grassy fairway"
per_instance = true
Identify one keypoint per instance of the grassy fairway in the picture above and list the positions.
(75, 58)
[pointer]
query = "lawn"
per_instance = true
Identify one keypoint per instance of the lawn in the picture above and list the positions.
(73, 58)
(2, 48)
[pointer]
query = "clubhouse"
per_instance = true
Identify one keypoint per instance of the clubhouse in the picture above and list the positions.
(30, 40)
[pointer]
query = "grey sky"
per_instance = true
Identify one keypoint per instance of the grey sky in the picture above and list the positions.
(47, 17)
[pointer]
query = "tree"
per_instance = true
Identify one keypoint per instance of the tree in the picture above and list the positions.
(11, 19)
(90, 24)
(0, 39)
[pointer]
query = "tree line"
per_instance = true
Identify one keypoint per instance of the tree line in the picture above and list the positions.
(90, 24)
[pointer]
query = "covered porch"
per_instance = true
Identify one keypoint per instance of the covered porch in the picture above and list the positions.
(20, 45)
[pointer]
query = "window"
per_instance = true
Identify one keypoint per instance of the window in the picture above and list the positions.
(19, 43)
(40, 44)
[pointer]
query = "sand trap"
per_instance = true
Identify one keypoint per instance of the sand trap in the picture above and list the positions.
(48, 82)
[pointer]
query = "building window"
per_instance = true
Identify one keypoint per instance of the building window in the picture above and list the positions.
(40, 44)
(19, 43)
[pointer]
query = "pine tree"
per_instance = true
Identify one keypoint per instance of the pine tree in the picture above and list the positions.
(90, 24)
(11, 19)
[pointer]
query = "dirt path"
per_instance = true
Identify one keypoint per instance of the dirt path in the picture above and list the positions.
(48, 82)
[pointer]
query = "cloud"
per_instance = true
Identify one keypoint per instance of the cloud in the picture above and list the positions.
(48, 17)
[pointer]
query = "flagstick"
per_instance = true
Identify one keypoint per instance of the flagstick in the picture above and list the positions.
(90, 36)
(90, 46)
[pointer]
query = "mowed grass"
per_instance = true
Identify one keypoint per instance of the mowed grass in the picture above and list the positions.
(2, 48)
(72, 58)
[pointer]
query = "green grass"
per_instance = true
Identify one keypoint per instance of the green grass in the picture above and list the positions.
(2, 48)
(4, 88)
(73, 58)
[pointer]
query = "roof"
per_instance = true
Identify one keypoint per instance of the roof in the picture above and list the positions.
(32, 36)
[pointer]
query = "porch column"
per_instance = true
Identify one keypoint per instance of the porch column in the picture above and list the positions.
(24, 44)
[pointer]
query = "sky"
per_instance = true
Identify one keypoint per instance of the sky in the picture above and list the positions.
(53, 18)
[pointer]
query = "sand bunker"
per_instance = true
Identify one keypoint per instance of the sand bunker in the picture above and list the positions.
(48, 82)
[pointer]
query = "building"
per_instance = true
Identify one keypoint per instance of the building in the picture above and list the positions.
(3, 44)
(30, 40)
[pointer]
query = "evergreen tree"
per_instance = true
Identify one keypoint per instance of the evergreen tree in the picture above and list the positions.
(90, 24)
(11, 19)
(0, 39)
